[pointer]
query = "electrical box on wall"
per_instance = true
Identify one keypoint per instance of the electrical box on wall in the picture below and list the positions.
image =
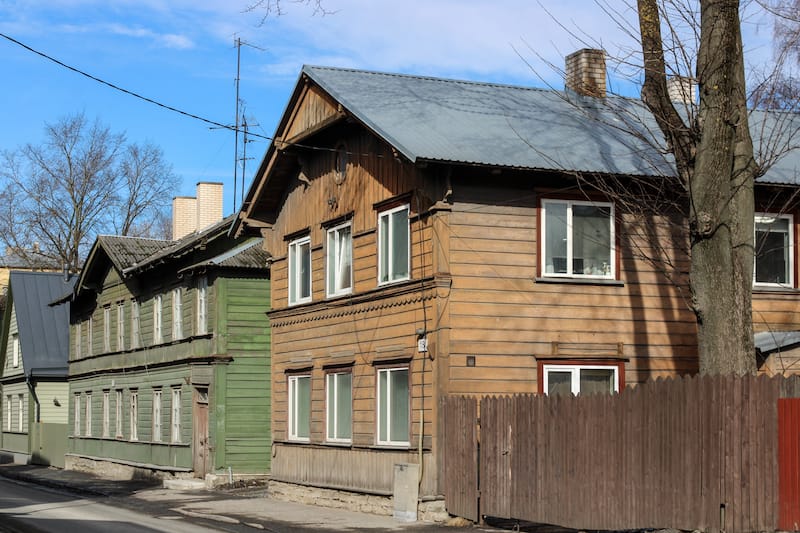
(422, 345)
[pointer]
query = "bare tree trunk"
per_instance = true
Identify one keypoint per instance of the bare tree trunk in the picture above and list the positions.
(714, 158)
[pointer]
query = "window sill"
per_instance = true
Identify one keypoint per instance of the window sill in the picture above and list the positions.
(581, 281)
(773, 289)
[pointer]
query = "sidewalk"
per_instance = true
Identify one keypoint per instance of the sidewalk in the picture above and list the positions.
(251, 508)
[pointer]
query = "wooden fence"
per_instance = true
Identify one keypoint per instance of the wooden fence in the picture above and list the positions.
(686, 453)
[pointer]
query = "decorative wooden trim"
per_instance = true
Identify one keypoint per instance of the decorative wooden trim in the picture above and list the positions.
(297, 234)
(389, 203)
(327, 224)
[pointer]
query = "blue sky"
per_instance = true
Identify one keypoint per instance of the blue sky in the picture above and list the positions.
(181, 53)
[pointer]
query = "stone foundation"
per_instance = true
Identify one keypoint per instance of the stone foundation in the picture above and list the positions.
(120, 471)
(427, 511)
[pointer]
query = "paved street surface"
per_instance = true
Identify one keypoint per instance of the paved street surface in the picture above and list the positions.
(35, 498)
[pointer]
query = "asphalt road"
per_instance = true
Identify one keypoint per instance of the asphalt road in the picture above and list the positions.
(30, 508)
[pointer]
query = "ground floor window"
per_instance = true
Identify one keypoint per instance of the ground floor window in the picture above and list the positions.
(88, 431)
(580, 379)
(300, 407)
(176, 415)
(8, 413)
(76, 415)
(21, 413)
(106, 413)
(157, 415)
(393, 406)
(134, 415)
(118, 412)
(339, 406)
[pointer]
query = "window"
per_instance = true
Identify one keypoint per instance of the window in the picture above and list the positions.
(300, 271)
(77, 332)
(21, 413)
(202, 306)
(158, 337)
(175, 434)
(157, 415)
(89, 335)
(340, 260)
(580, 379)
(299, 407)
(177, 314)
(134, 415)
(88, 414)
(339, 406)
(393, 411)
(8, 412)
(118, 412)
(120, 326)
(106, 413)
(578, 239)
(76, 414)
(135, 332)
(774, 241)
(107, 329)
(393, 245)
(15, 350)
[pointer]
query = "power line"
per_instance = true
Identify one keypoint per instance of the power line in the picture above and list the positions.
(126, 91)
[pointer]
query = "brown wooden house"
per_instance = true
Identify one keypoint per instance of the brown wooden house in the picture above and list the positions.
(433, 237)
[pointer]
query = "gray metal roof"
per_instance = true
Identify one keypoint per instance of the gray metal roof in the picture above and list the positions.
(248, 255)
(445, 120)
(43, 329)
(770, 341)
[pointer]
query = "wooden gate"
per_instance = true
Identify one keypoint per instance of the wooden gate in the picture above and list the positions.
(460, 461)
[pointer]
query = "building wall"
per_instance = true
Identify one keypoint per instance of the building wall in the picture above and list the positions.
(53, 401)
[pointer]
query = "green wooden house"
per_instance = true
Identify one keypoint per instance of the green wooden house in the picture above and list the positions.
(169, 368)
(33, 371)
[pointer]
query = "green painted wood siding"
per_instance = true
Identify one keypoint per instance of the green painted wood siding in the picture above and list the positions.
(246, 430)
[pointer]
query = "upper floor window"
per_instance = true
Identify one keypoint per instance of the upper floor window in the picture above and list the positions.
(107, 329)
(300, 271)
(578, 239)
(120, 326)
(202, 306)
(77, 331)
(299, 407)
(135, 331)
(580, 379)
(177, 314)
(394, 245)
(89, 335)
(158, 336)
(774, 250)
(15, 350)
(340, 260)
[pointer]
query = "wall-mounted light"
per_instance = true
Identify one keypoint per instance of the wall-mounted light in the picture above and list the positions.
(56, 402)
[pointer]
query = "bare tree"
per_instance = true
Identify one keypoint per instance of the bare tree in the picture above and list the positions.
(82, 181)
(277, 8)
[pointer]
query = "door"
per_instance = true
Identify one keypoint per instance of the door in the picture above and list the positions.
(201, 457)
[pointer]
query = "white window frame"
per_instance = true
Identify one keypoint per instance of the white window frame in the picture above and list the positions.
(612, 255)
(78, 331)
(8, 411)
(120, 326)
(293, 390)
(158, 334)
(177, 313)
(89, 333)
(202, 305)
(175, 418)
(134, 414)
(334, 285)
(332, 401)
(295, 273)
(574, 370)
(21, 413)
(15, 349)
(386, 411)
(157, 415)
(107, 329)
(106, 414)
(135, 323)
(385, 269)
(76, 415)
(87, 412)
(789, 253)
(118, 413)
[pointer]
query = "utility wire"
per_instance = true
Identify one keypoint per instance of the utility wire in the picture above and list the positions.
(126, 91)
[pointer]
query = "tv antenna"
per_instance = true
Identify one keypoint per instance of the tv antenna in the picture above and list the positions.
(238, 42)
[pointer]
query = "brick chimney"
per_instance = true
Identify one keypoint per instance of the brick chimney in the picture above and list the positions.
(194, 213)
(586, 72)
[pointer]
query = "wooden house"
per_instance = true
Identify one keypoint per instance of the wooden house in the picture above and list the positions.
(34, 347)
(169, 358)
(433, 237)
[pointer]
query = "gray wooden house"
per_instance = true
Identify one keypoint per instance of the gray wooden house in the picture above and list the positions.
(169, 369)
(33, 384)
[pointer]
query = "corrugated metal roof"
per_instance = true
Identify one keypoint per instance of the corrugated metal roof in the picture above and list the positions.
(500, 125)
(43, 329)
